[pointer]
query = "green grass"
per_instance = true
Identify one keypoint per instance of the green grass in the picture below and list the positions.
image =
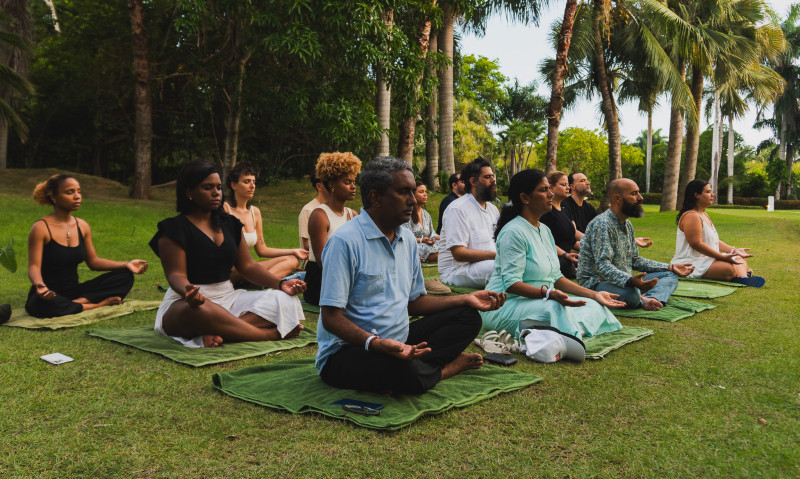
(684, 402)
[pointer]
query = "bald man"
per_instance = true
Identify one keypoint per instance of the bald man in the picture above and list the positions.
(609, 254)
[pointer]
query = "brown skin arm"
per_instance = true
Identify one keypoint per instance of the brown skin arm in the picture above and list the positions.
(334, 320)
(36, 240)
(96, 263)
(466, 255)
(479, 300)
(173, 261)
(257, 274)
(318, 225)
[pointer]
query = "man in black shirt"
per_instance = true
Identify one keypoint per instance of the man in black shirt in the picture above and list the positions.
(576, 205)
(456, 192)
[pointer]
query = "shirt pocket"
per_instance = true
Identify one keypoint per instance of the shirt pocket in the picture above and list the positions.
(370, 289)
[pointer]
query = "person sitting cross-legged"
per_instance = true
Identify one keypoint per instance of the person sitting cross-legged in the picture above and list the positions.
(467, 252)
(371, 283)
(609, 253)
(698, 241)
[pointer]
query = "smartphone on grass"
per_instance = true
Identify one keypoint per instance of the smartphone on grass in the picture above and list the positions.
(501, 359)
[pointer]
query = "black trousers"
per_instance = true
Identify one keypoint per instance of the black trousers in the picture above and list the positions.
(117, 282)
(447, 333)
(313, 283)
(568, 268)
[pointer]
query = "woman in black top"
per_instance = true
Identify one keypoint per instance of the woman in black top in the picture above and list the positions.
(561, 225)
(57, 244)
(198, 249)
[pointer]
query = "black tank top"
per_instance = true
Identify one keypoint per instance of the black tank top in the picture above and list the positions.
(60, 263)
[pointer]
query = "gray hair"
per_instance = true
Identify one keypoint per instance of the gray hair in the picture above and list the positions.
(377, 175)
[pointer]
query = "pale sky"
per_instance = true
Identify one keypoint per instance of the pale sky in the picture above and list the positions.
(520, 49)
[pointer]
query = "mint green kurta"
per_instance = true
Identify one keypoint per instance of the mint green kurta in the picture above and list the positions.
(528, 254)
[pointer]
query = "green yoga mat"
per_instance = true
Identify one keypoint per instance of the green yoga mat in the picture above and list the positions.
(675, 310)
(694, 289)
(295, 386)
(146, 339)
(598, 347)
(21, 319)
(714, 281)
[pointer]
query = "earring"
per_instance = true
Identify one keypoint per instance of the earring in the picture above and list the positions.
(190, 198)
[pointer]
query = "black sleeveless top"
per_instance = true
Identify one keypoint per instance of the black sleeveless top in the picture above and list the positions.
(60, 263)
(561, 226)
(206, 263)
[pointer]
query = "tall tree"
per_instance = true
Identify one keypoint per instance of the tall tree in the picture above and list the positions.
(383, 95)
(143, 137)
(556, 105)
(407, 137)
(17, 29)
(445, 43)
(431, 123)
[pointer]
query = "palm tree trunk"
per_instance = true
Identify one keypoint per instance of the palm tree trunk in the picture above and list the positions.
(672, 167)
(782, 150)
(649, 149)
(731, 139)
(383, 99)
(19, 60)
(405, 146)
(233, 119)
(555, 107)
(446, 155)
(607, 105)
(431, 127)
(692, 133)
(143, 137)
(716, 150)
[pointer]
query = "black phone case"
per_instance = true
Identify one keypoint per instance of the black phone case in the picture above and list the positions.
(501, 359)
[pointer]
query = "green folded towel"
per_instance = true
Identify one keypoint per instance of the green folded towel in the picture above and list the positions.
(675, 310)
(21, 319)
(714, 281)
(147, 339)
(694, 289)
(599, 346)
(295, 386)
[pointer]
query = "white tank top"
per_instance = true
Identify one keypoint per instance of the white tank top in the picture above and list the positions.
(684, 253)
(251, 237)
(335, 222)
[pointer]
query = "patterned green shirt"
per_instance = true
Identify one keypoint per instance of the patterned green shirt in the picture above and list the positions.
(609, 253)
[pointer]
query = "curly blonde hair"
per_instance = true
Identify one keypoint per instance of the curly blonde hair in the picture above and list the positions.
(333, 165)
(45, 191)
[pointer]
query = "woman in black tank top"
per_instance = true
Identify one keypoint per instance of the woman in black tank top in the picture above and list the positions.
(57, 244)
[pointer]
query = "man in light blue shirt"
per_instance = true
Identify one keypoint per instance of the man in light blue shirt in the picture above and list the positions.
(609, 253)
(371, 282)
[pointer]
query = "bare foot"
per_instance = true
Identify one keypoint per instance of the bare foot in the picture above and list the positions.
(651, 304)
(463, 362)
(110, 301)
(211, 341)
(295, 333)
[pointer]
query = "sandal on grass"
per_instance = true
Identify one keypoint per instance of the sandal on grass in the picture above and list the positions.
(494, 342)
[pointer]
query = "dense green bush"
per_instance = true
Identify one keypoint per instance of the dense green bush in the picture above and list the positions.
(737, 207)
(787, 204)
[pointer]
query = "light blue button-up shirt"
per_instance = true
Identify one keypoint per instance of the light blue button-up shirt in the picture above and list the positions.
(371, 279)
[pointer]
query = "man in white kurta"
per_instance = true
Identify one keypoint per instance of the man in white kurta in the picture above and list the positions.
(467, 248)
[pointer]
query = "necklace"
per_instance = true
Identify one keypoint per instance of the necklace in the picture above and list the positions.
(66, 230)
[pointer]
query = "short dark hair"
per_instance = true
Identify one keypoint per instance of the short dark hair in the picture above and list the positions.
(314, 181)
(571, 177)
(241, 169)
(453, 179)
(473, 170)
(377, 175)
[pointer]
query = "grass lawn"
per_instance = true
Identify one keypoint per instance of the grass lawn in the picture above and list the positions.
(717, 394)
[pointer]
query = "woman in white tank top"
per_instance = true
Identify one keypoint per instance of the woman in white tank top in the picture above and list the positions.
(337, 171)
(242, 185)
(697, 242)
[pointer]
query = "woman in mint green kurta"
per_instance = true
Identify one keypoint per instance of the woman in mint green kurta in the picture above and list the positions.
(527, 269)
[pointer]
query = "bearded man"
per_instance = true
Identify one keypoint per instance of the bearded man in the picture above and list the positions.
(609, 254)
(467, 248)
